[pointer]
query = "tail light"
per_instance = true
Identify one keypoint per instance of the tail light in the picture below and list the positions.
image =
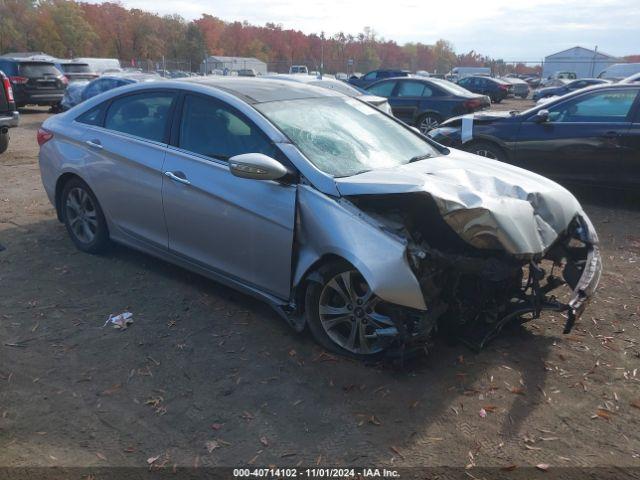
(43, 136)
(7, 89)
(472, 104)
(64, 79)
(19, 80)
(503, 87)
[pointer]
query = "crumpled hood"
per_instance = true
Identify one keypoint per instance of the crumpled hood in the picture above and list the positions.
(483, 200)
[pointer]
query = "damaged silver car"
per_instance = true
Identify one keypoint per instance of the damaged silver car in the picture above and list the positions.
(342, 218)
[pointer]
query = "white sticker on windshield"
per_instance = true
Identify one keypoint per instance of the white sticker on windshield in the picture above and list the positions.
(366, 109)
(467, 128)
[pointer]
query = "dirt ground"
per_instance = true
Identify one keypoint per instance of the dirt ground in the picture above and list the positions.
(207, 376)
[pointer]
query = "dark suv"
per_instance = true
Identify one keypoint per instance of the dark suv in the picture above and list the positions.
(495, 89)
(377, 75)
(8, 115)
(34, 82)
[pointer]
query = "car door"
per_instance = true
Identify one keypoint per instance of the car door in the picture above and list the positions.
(582, 139)
(126, 140)
(237, 227)
(405, 100)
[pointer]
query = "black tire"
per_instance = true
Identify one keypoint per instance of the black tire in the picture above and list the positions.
(427, 122)
(496, 99)
(87, 227)
(487, 150)
(313, 296)
(4, 142)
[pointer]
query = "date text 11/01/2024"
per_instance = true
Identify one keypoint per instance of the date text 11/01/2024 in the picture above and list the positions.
(315, 473)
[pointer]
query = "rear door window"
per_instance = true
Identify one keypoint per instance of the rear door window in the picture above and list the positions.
(209, 127)
(143, 115)
(382, 89)
(414, 89)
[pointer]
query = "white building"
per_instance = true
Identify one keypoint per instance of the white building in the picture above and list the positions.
(585, 63)
(231, 64)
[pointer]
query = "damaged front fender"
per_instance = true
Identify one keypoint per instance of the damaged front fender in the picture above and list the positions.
(329, 226)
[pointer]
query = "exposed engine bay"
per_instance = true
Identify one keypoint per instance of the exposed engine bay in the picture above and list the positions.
(473, 291)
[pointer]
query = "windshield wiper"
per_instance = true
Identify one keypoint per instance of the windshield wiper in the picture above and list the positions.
(417, 158)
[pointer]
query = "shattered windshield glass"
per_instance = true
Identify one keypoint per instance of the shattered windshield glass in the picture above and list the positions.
(343, 136)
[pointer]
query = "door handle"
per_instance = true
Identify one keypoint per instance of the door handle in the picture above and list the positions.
(178, 177)
(94, 144)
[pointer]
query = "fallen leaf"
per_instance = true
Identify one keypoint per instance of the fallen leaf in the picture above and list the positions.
(113, 389)
(374, 421)
(517, 390)
(151, 460)
(529, 447)
(482, 413)
(635, 403)
(490, 408)
(211, 445)
(396, 451)
(603, 414)
(543, 466)
(216, 426)
(101, 456)
(509, 468)
(264, 441)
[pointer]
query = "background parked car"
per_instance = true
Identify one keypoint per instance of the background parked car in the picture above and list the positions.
(590, 136)
(496, 90)
(376, 75)
(296, 69)
(520, 88)
(572, 86)
(75, 71)
(631, 79)
(9, 117)
(425, 102)
(247, 72)
(34, 82)
(78, 92)
(619, 71)
(101, 65)
(342, 87)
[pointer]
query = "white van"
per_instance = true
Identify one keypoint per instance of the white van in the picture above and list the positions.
(619, 71)
(298, 69)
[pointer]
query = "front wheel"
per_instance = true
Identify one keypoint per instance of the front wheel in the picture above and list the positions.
(83, 217)
(487, 150)
(427, 122)
(345, 316)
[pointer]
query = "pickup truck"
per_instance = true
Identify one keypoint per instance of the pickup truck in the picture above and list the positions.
(9, 117)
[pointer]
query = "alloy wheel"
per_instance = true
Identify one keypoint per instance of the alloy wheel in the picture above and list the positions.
(81, 215)
(352, 316)
(428, 123)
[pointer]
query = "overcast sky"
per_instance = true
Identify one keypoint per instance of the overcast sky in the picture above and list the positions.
(509, 29)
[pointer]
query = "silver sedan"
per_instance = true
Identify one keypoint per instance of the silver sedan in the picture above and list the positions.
(342, 218)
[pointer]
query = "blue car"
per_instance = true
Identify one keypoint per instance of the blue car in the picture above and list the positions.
(425, 102)
(79, 91)
(572, 86)
(497, 90)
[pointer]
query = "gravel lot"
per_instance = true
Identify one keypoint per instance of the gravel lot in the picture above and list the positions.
(207, 376)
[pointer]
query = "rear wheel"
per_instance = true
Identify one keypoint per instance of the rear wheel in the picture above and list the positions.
(427, 122)
(345, 316)
(83, 217)
(488, 150)
(4, 142)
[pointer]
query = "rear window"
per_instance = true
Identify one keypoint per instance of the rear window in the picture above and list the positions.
(143, 115)
(76, 68)
(38, 69)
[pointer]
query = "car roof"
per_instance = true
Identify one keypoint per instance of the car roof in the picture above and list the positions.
(260, 90)
(137, 77)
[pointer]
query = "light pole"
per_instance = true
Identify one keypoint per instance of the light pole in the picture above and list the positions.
(321, 54)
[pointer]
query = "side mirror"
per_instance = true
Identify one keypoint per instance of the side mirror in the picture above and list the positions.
(542, 116)
(256, 166)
